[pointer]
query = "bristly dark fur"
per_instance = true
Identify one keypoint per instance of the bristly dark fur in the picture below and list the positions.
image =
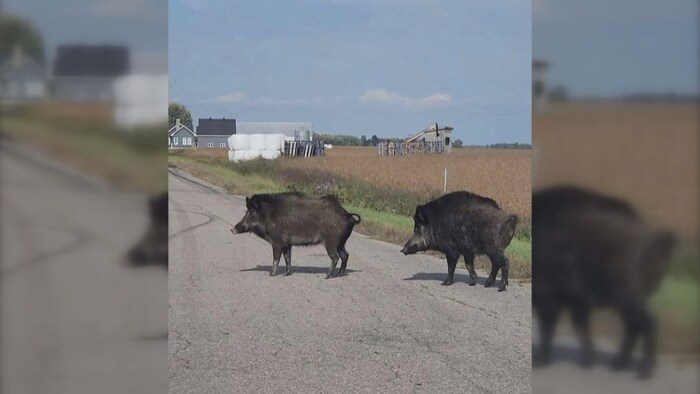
(294, 219)
(590, 251)
(464, 224)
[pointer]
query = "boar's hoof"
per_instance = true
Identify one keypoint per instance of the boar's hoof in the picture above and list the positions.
(329, 275)
(447, 282)
(620, 363)
(289, 272)
(644, 369)
(472, 282)
(540, 359)
(489, 282)
(273, 273)
(502, 287)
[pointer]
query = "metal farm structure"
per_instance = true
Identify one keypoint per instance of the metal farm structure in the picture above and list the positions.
(400, 148)
(434, 139)
(304, 148)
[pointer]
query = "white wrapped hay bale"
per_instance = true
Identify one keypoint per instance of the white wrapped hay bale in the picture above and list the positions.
(238, 142)
(256, 142)
(231, 155)
(272, 142)
(271, 154)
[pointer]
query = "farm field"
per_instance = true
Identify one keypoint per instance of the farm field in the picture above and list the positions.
(502, 174)
(648, 154)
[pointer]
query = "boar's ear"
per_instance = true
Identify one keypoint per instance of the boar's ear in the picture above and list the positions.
(255, 203)
(420, 216)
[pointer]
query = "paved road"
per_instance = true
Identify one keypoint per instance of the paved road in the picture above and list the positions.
(388, 326)
(72, 318)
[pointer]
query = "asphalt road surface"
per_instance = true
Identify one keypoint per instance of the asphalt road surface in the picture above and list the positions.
(388, 326)
(73, 318)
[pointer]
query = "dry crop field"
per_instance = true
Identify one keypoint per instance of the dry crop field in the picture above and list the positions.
(646, 153)
(502, 174)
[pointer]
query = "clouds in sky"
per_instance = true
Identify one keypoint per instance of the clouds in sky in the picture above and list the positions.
(370, 97)
(384, 96)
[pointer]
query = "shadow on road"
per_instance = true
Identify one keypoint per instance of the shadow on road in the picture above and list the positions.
(572, 354)
(281, 269)
(442, 275)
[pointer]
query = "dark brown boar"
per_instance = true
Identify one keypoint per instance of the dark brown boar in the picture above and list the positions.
(466, 224)
(592, 251)
(152, 249)
(293, 219)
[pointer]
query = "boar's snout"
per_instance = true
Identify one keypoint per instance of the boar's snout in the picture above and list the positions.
(410, 248)
(239, 229)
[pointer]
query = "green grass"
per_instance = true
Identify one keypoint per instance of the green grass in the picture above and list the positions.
(384, 213)
(129, 160)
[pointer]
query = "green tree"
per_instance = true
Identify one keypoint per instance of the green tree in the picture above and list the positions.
(179, 111)
(374, 140)
(17, 32)
(457, 143)
(363, 140)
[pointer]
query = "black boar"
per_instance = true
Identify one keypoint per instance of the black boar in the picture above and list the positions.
(463, 223)
(290, 219)
(594, 251)
(153, 247)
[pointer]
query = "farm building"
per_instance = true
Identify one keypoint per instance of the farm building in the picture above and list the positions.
(87, 73)
(539, 85)
(22, 78)
(300, 131)
(214, 133)
(181, 136)
(434, 139)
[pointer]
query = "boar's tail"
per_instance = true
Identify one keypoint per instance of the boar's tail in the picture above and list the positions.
(355, 218)
(508, 229)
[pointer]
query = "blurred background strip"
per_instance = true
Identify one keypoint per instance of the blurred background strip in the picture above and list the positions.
(616, 113)
(83, 289)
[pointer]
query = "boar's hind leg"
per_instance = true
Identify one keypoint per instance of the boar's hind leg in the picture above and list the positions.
(580, 314)
(547, 320)
(637, 321)
(469, 262)
(287, 252)
(498, 261)
(276, 255)
(344, 255)
(451, 265)
(333, 254)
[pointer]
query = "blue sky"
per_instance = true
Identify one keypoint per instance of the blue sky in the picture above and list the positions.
(608, 48)
(356, 67)
(142, 25)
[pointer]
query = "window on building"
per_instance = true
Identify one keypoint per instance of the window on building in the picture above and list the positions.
(222, 145)
(174, 140)
(447, 140)
(210, 145)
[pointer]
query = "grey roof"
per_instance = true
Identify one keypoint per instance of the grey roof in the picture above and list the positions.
(91, 61)
(216, 126)
(430, 129)
(173, 129)
(287, 128)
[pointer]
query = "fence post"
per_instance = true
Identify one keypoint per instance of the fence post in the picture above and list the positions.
(444, 185)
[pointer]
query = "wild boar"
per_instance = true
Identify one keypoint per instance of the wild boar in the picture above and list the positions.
(466, 224)
(152, 249)
(293, 219)
(592, 251)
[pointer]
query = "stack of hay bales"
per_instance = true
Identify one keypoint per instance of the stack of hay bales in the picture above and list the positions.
(252, 146)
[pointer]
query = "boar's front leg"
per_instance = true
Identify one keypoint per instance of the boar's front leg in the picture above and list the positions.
(469, 262)
(451, 265)
(287, 252)
(276, 255)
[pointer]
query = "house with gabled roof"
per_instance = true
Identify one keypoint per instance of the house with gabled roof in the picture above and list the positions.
(22, 78)
(181, 136)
